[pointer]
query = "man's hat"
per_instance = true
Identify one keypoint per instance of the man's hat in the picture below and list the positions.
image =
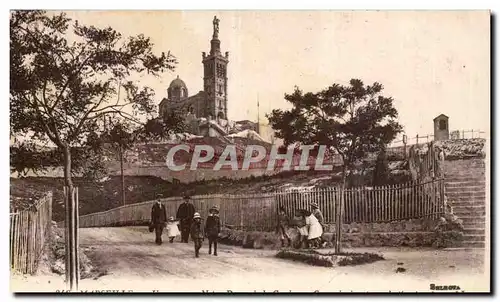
(159, 195)
(314, 205)
(214, 209)
(196, 215)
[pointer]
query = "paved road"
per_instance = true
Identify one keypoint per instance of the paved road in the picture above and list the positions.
(135, 263)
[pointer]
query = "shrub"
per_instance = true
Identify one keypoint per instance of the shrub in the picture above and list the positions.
(448, 232)
(315, 258)
(309, 258)
(355, 259)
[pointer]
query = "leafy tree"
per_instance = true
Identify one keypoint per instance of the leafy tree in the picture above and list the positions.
(381, 171)
(23, 158)
(352, 120)
(86, 160)
(64, 77)
(161, 128)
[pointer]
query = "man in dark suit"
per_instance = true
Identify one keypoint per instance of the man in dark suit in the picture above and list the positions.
(158, 219)
(185, 214)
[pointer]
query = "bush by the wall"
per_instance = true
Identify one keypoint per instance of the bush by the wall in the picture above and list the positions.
(449, 231)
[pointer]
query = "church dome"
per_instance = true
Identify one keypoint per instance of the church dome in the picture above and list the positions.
(177, 83)
(177, 89)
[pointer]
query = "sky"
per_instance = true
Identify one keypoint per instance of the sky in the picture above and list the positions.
(431, 63)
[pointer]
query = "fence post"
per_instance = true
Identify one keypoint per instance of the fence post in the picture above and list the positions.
(241, 213)
(338, 222)
(66, 234)
(72, 263)
(50, 208)
(417, 140)
(29, 242)
(442, 196)
(28, 229)
(77, 239)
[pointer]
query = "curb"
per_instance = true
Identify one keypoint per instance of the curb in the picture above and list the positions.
(462, 248)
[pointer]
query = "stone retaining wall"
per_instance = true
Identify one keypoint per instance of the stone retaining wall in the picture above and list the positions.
(410, 225)
(414, 232)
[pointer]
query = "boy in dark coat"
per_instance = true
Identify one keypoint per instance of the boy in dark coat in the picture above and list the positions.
(212, 229)
(197, 234)
(158, 219)
(185, 214)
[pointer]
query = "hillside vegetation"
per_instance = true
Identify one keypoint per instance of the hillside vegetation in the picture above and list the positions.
(101, 196)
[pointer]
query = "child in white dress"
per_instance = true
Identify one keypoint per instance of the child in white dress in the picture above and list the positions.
(172, 229)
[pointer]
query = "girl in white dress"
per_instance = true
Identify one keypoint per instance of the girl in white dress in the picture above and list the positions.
(315, 230)
(313, 227)
(172, 229)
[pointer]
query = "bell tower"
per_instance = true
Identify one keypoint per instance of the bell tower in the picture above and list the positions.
(215, 77)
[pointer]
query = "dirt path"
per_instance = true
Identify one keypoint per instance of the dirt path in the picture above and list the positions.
(135, 263)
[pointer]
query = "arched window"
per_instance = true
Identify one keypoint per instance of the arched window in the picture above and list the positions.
(177, 92)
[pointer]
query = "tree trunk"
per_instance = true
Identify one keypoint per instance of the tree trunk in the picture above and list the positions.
(122, 176)
(71, 226)
(340, 214)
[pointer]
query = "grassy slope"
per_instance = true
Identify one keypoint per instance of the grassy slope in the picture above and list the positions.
(96, 197)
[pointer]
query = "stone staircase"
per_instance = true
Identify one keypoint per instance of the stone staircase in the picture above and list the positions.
(466, 193)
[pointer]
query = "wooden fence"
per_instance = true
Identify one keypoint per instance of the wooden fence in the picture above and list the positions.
(259, 211)
(371, 204)
(426, 138)
(29, 230)
(256, 212)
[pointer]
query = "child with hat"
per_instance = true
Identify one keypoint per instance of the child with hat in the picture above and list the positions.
(317, 212)
(212, 229)
(172, 229)
(197, 234)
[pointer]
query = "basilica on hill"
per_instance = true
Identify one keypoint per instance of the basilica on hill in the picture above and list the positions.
(205, 111)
